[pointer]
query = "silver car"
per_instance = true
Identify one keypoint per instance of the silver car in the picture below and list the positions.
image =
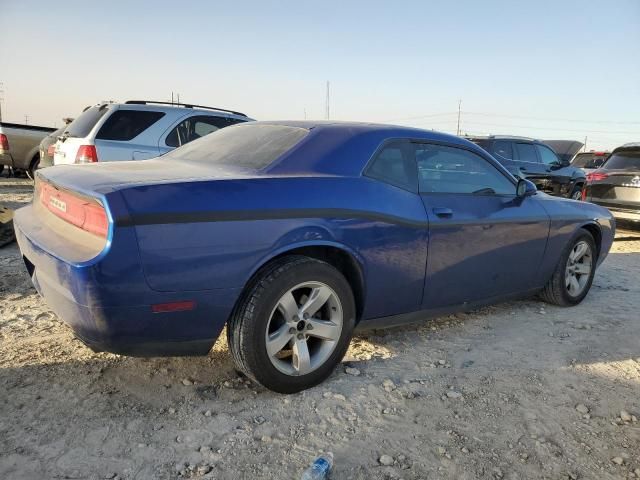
(137, 130)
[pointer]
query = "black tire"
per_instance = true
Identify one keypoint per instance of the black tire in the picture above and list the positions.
(249, 322)
(576, 193)
(555, 291)
(1, 169)
(31, 172)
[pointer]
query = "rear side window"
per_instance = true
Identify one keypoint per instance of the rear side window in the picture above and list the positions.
(503, 149)
(126, 125)
(526, 152)
(193, 128)
(547, 155)
(395, 164)
(250, 146)
(443, 169)
(85, 122)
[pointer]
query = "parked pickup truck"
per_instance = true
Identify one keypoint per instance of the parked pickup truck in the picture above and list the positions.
(19, 146)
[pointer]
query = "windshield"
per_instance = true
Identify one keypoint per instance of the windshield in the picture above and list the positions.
(85, 122)
(252, 146)
(588, 160)
(624, 161)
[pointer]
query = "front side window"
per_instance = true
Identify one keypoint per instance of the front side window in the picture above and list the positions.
(395, 164)
(193, 128)
(526, 152)
(443, 169)
(547, 155)
(126, 125)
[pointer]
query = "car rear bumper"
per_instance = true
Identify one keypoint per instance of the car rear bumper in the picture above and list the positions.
(625, 214)
(104, 322)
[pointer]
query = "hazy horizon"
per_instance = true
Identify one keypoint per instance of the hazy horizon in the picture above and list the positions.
(547, 70)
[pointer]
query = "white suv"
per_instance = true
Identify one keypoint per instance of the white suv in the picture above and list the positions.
(137, 130)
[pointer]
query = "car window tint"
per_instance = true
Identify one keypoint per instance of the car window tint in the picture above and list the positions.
(85, 122)
(193, 128)
(547, 155)
(526, 152)
(395, 164)
(250, 146)
(503, 149)
(624, 160)
(443, 169)
(126, 125)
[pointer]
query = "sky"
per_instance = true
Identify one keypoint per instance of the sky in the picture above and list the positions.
(545, 69)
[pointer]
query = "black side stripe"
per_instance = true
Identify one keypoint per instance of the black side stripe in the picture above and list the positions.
(249, 215)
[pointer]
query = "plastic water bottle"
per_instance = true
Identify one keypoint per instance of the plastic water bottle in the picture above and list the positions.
(320, 468)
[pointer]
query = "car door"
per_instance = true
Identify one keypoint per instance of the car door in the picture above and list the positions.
(484, 241)
(529, 165)
(559, 176)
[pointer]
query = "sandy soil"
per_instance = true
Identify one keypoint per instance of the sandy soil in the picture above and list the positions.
(518, 390)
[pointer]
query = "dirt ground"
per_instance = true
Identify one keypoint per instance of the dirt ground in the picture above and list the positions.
(516, 391)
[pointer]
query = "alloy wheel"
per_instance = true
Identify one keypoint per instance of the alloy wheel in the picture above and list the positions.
(304, 328)
(578, 268)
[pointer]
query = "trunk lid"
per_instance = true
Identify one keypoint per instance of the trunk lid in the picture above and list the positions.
(620, 189)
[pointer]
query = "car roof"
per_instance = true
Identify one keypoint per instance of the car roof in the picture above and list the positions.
(344, 148)
(181, 108)
(502, 137)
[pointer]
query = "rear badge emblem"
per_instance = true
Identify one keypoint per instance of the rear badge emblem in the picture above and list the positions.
(59, 204)
(635, 182)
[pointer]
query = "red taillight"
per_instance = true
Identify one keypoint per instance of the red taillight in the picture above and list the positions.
(4, 142)
(51, 150)
(87, 154)
(597, 176)
(89, 215)
(583, 195)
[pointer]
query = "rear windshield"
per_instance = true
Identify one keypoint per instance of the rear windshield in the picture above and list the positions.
(588, 160)
(624, 161)
(85, 122)
(252, 146)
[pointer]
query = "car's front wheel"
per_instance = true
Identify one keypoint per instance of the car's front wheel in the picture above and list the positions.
(574, 273)
(293, 325)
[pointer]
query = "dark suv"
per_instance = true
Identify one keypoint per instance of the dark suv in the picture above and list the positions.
(535, 161)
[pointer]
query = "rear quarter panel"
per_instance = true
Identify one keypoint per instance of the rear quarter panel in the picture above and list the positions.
(216, 234)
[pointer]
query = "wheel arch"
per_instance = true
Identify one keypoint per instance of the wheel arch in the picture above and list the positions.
(341, 257)
(594, 229)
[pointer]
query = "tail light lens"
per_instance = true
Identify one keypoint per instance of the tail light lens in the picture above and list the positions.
(85, 213)
(4, 142)
(597, 176)
(51, 150)
(583, 194)
(87, 154)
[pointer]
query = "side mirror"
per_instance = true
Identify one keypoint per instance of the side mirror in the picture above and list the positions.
(525, 188)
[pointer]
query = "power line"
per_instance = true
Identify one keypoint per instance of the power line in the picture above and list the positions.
(550, 119)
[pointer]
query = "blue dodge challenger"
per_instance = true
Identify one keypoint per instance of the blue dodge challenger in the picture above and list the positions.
(292, 234)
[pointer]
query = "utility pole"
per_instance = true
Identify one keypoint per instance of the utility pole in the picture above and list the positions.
(305, 113)
(171, 98)
(459, 106)
(584, 149)
(328, 99)
(26, 119)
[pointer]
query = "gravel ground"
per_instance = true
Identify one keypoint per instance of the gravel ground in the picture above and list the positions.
(517, 390)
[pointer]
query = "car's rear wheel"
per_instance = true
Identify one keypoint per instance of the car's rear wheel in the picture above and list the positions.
(293, 325)
(31, 172)
(574, 273)
(576, 193)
